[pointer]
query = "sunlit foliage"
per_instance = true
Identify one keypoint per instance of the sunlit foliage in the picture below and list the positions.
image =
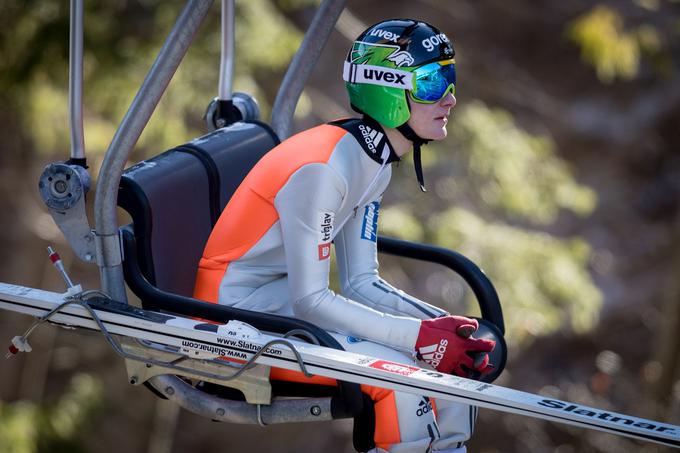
(606, 44)
(27, 427)
(514, 171)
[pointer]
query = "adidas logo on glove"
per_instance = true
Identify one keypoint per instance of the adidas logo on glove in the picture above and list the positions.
(446, 343)
(434, 353)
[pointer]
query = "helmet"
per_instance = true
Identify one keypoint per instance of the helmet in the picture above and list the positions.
(380, 67)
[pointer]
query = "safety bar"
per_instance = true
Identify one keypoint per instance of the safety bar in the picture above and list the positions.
(480, 284)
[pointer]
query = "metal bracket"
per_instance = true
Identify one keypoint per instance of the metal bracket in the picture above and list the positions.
(63, 188)
(253, 383)
(223, 112)
(109, 248)
(282, 410)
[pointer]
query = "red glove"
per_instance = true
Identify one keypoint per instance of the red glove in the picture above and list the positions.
(446, 344)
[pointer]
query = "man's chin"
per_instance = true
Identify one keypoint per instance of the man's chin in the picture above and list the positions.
(434, 133)
(439, 134)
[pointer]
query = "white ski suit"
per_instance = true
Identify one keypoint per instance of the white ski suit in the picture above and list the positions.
(270, 249)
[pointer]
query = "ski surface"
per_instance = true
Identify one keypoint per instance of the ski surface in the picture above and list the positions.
(236, 340)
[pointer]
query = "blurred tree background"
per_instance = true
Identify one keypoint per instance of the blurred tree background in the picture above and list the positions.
(560, 178)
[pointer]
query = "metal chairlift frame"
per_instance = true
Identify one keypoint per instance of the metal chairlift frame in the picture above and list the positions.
(103, 245)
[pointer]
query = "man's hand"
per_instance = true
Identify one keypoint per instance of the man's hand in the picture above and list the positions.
(446, 343)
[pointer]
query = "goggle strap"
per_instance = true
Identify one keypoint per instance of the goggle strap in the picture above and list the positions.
(418, 166)
(408, 133)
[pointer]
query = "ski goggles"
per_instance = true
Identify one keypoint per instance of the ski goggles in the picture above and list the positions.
(434, 81)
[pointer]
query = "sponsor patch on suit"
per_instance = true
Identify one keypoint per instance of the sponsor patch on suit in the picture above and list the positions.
(325, 234)
(369, 226)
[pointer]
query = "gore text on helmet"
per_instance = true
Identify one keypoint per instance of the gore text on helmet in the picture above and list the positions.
(432, 41)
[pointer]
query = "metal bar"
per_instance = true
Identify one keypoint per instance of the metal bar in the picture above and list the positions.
(215, 408)
(226, 83)
(145, 102)
(481, 286)
(301, 67)
(75, 84)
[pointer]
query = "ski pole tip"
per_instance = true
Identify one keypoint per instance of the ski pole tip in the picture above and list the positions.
(12, 350)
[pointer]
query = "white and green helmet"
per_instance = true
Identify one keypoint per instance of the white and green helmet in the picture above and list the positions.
(383, 65)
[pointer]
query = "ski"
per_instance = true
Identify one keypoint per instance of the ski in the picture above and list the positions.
(199, 340)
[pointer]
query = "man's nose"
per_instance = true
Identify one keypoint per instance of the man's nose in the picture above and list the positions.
(448, 101)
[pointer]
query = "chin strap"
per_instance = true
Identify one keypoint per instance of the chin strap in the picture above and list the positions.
(408, 132)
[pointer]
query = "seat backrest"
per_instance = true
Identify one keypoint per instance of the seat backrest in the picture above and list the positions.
(175, 199)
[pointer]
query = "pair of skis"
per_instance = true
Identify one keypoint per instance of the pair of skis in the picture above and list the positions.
(239, 341)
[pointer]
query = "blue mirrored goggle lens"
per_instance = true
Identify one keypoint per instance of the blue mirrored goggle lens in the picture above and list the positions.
(433, 80)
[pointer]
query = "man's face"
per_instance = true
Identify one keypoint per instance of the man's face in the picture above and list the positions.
(429, 120)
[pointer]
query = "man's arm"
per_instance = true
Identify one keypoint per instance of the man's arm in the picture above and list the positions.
(307, 206)
(356, 251)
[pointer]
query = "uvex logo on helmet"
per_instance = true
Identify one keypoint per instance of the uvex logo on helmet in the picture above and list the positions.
(388, 35)
(377, 75)
(386, 75)
(433, 41)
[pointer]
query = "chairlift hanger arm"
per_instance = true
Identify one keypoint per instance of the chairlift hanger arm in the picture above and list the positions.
(75, 85)
(147, 98)
(302, 65)
(227, 55)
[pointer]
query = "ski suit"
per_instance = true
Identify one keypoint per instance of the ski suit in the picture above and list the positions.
(270, 250)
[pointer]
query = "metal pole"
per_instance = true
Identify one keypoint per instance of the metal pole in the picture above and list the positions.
(107, 240)
(75, 84)
(226, 83)
(302, 65)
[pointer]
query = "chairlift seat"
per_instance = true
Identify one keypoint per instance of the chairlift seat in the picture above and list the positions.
(174, 200)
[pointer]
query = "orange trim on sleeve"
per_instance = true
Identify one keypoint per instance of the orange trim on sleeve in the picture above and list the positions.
(251, 213)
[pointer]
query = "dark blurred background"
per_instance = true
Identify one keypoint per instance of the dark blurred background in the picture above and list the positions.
(560, 178)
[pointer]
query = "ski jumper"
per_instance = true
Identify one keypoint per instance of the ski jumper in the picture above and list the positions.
(270, 250)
